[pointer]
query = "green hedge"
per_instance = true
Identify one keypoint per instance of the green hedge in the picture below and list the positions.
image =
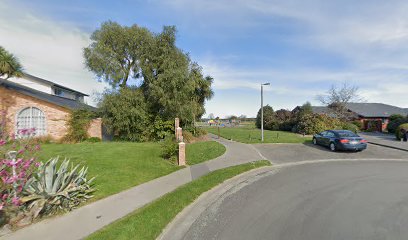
(398, 133)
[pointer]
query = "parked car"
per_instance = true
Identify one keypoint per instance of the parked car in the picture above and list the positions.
(340, 140)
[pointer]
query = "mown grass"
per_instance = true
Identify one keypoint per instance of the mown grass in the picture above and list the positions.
(250, 134)
(149, 221)
(122, 165)
(202, 151)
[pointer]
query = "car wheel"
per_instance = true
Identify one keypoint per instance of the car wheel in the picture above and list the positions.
(332, 147)
(314, 141)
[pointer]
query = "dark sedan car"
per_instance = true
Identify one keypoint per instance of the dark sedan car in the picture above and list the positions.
(340, 140)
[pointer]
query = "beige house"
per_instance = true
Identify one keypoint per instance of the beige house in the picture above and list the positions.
(32, 102)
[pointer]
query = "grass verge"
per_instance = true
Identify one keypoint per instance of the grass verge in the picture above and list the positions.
(203, 151)
(249, 134)
(149, 221)
(122, 165)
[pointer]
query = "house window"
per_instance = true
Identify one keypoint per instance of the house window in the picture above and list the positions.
(58, 92)
(31, 118)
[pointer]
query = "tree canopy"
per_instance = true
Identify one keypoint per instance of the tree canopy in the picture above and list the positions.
(167, 80)
(10, 66)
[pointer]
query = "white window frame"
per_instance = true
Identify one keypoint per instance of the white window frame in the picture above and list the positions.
(44, 119)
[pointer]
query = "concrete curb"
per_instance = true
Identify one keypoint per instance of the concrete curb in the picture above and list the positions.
(388, 146)
(177, 228)
(180, 225)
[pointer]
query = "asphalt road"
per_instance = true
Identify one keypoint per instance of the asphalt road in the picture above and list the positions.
(284, 153)
(330, 201)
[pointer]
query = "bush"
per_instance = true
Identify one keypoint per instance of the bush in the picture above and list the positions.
(125, 115)
(187, 137)
(395, 122)
(270, 121)
(78, 125)
(315, 123)
(373, 125)
(93, 140)
(169, 148)
(200, 132)
(359, 124)
(398, 133)
(350, 127)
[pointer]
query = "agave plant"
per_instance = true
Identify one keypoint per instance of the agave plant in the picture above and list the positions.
(55, 188)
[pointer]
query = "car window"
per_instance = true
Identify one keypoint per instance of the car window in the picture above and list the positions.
(330, 134)
(347, 134)
(323, 133)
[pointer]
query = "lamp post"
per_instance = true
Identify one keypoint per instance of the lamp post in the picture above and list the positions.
(262, 128)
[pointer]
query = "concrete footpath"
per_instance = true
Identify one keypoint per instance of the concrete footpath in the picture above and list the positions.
(83, 221)
(385, 140)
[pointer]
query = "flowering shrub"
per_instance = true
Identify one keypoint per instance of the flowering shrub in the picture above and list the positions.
(17, 163)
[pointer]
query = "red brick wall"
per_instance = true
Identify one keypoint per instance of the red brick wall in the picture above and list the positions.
(56, 117)
(95, 128)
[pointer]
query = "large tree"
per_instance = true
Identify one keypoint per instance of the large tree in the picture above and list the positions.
(9, 65)
(171, 84)
(116, 52)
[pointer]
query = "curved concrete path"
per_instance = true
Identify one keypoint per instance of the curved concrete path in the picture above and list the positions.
(90, 218)
(324, 199)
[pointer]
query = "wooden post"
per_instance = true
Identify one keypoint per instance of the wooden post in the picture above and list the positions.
(176, 125)
(182, 154)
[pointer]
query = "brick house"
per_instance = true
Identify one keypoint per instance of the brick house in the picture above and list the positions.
(32, 102)
(369, 113)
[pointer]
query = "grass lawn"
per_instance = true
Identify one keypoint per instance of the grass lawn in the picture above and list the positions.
(149, 221)
(122, 165)
(202, 151)
(250, 134)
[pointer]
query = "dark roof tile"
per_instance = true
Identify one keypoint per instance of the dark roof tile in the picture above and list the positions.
(59, 101)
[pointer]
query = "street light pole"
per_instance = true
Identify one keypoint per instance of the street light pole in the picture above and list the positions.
(262, 127)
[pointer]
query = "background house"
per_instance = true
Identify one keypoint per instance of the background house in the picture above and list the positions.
(368, 113)
(32, 102)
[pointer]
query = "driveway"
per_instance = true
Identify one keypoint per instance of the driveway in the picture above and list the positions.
(332, 200)
(384, 139)
(285, 153)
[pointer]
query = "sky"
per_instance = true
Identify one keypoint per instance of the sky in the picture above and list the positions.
(300, 47)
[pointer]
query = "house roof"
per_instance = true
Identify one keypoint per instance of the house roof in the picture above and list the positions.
(59, 101)
(41, 80)
(367, 109)
(375, 109)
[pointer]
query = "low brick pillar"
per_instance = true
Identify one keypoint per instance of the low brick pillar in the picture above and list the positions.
(182, 154)
(179, 134)
(176, 125)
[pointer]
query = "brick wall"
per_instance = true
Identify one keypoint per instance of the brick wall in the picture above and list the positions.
(95, 128)
(56, 117)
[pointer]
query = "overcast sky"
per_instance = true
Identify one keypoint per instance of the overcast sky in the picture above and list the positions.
(300, 47)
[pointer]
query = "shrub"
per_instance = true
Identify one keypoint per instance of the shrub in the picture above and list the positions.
(78, 125)
(169, 148)
(93, 140)
(270, 121)
(359, 124)
(350, 127)
(187, 137)
(398, 133)
(125, 114)
(395, 122)
(315, 123)
(200, 132)
(373, 125)
(56, 188)
(158, 129)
